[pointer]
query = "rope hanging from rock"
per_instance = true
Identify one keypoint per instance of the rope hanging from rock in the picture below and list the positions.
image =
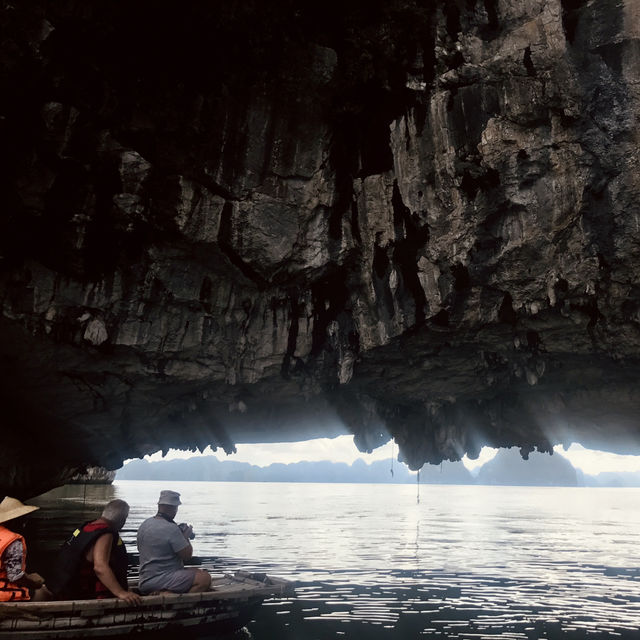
(392, 443)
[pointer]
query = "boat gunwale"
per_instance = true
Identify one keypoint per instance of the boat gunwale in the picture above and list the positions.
(245, 588)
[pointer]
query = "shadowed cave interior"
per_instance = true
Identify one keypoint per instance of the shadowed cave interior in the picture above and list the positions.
(248, 222)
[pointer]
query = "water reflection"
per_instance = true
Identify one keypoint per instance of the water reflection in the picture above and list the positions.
(467, 562)
(61, 511)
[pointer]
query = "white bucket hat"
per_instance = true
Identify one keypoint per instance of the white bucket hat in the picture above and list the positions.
(11, 508)
(171, 498)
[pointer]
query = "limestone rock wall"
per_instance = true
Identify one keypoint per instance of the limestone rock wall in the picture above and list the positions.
(233, 223)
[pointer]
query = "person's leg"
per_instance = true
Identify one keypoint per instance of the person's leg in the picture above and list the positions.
(179, 581)
(42, 594)
(201, 581)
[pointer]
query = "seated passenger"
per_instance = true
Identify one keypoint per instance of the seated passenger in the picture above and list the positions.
(92, 563)
(15, 582)
(164, 547)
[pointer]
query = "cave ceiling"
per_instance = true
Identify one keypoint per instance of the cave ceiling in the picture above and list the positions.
(234, 222)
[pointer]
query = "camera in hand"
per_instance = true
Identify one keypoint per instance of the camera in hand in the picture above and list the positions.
(183, 527)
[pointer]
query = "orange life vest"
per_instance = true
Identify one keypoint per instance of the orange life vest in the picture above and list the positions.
(10, 590)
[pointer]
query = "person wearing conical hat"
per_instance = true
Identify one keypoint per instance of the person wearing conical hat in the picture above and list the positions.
(15, 582)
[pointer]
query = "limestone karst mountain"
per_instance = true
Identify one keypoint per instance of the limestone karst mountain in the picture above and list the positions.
(508, 468)
(209, 468)
(241, 221)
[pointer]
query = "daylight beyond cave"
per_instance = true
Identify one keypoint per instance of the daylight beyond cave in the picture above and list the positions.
(232, 222)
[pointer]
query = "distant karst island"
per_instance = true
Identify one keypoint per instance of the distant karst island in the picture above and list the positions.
(506, 468)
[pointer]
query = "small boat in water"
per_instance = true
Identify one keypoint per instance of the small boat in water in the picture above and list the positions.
(229, 605)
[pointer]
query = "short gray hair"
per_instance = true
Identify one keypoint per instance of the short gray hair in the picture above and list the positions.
(116, 511)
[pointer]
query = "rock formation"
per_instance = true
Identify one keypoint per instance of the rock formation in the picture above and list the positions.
(94, 475)
(508, 468)
(243, 221)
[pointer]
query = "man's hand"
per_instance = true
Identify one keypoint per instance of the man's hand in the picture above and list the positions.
(187, 531)
(35, 580)
(130, 597)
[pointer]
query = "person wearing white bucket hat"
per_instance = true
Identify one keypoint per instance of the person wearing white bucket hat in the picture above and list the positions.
(15, 582)
(164, 547)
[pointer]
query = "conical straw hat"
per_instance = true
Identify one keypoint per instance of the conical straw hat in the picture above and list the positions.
(11, 508)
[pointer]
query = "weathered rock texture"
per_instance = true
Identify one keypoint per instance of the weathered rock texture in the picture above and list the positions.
(242, 221)
(94, 475)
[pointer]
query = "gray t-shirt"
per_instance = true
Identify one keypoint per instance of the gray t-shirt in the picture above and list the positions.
(158, 544)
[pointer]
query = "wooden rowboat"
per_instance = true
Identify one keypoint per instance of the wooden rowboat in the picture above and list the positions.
(227, 606)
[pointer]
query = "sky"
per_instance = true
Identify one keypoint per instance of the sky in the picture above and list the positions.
(342, 449)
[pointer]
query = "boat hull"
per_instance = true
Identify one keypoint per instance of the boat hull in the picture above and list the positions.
(228, 606)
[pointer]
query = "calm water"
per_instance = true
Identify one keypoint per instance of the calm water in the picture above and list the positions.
(372, 563)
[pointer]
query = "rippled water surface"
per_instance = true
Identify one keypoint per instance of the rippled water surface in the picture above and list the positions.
(371, 562)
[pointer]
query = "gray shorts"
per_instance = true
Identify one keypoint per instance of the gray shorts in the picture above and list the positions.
(179, 581)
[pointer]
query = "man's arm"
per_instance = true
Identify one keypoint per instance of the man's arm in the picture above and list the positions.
(30, 580)
(185, 553)
(179, 541)
(101, 556)
(12, 562)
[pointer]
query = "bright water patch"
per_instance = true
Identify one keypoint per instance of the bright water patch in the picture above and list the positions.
(371, 563)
